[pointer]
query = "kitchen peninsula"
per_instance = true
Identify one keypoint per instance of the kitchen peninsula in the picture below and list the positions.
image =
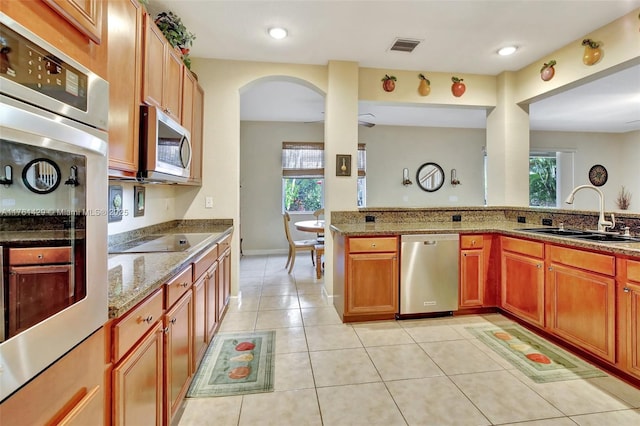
(580, 293)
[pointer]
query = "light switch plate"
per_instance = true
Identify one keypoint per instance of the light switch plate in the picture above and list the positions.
(115, 203)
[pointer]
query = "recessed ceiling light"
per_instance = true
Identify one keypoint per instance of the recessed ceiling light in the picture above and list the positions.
(277, 33)
(507, 50)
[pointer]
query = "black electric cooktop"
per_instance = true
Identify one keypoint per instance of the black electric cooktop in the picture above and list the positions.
(161, 243)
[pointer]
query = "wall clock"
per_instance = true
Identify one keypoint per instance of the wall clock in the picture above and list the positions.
(598, 175)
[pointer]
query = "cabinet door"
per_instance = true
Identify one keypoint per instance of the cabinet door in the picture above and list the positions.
(199, 320)
(154, 51)
(629, 297)
(85, 15)
(188, 89)
(178, 351)
(137, 383)
(471, 278)
(372, 283)
(211, 293)
(125, 49)
(197, 142)
(172, 84)
(581, 309)
(523, 287)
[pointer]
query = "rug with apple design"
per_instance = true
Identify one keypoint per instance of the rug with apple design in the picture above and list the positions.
(236, 364)
(537, 358)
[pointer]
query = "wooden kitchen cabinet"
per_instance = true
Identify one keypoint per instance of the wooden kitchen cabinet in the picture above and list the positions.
(224, 275)
(70, 392)
(192, 119)
(137, 355)
(137, 382)
(85, 16)
(371, 278)
(162, 71)
(205, 308)
(581, 299)
(522, 279)
(629, 315)
(472, 279)
(125, 53)
(178, 352)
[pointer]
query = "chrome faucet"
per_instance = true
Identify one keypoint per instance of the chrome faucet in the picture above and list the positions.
(602, 223)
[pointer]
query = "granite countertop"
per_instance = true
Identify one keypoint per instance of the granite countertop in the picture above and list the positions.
(40, 236)
(133, 276)
(503, 227)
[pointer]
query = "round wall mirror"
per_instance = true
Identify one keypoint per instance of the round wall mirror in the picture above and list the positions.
(430, 177)
(41, 176)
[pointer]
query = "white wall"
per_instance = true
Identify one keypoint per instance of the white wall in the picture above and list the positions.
(392, 148)
(160, 206)
(262, 227)
(619, 153)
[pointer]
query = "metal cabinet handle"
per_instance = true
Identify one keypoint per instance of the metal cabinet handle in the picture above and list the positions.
(373, 245)
(538, 266)
(184, 284)
(473, 242)
(148, 319)
(626, 289)
(464, 254)
(550, 268)
(41, 256)
(165, 330)
(173, 320)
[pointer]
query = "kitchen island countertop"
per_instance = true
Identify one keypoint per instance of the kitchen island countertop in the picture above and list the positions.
(509, 228)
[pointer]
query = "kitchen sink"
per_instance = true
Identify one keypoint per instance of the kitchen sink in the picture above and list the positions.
(609, 238)
(557, 231)
(584, 235)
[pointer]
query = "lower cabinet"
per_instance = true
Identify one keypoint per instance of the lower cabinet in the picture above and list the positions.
(581, 299)
(224, 275)
(472, 279)
(178, 349)
(137, 382)
(522, 279)
(371, 281)
(199, 291)
(629, 315)
(70, 392)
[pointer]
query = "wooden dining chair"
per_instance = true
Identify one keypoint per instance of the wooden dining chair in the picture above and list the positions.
(297, 245)
(317, 214)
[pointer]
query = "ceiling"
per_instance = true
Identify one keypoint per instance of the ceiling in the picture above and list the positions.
(457, 36)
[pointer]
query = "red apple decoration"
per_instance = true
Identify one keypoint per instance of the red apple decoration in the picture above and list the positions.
(458, 87)
(547, 71)
(389, 83)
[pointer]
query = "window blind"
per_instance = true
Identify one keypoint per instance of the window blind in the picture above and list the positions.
(306, 159)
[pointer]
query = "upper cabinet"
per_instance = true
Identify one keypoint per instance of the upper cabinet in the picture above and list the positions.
(125, 53)
(162, 72)
(192, 110)
(75, 27)
(85, 15)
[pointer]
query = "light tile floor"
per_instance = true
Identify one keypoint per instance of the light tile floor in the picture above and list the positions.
(418, 372)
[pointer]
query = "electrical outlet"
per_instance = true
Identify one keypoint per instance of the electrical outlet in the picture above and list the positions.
(547, 222)
(456, 218)
(208, 202)
(369, 218)
(522, 219)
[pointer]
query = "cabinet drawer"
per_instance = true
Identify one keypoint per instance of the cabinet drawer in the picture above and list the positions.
(595, 262)
(528, 248)
(378, 244)
(224, 245)
(39, 255)
(136, 323)
(204, 262)
(177, 286)
(633, 270)
(471, 241)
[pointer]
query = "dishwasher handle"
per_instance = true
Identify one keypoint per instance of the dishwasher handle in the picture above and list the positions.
(430, 243)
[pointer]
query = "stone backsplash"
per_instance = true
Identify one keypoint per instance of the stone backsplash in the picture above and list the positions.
(533, 216)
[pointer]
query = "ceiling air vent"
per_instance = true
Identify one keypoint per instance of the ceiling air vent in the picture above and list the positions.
(404, 45)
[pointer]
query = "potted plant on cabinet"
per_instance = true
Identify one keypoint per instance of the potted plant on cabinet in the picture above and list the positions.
(176, 34)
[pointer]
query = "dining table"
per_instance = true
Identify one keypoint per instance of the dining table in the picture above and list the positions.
(316, 226)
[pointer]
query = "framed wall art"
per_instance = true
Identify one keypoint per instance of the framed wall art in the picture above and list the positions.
(343, 165)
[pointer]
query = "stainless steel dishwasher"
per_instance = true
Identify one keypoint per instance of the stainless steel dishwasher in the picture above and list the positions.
(428, 273)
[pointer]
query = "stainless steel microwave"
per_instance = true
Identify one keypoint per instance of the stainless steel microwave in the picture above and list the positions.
(165, 147)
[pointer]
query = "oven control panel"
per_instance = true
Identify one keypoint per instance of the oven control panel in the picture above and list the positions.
(30, 65)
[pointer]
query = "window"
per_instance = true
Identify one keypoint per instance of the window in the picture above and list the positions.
(543, 179)
(303, 176)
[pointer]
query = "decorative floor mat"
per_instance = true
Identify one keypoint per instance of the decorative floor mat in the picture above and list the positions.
(539, 359)
(236, 364)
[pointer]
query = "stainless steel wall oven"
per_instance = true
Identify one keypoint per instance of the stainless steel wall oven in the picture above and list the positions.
(53, 200)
